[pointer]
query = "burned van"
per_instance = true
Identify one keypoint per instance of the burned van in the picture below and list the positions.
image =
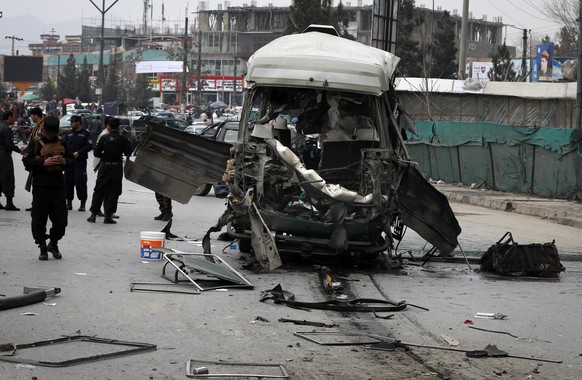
(320, 166)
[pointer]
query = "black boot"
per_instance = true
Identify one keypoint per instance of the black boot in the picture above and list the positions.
(92, 218)
(10, 206)
(159, 217)
(109, 220)
(69, 205)
(53, 248)
(167, 216)
(99, 213)
(82, 207)
(43, 252)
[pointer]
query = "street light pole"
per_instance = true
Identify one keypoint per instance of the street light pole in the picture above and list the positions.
(13, 38)
(102, 10)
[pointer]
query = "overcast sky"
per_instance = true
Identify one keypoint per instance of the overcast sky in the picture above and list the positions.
(27, 19)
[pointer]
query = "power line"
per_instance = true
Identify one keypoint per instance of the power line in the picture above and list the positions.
(527, 13)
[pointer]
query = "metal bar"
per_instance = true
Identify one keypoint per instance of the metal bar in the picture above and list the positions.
(284, 374)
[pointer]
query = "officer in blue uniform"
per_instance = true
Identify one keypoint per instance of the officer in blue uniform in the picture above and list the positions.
(110, 149)
(80, 142)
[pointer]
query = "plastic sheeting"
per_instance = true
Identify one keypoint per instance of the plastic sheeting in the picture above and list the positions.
(539, 161)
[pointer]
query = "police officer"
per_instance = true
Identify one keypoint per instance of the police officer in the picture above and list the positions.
(80, 142)
(47, 158)
(110, 149)
(6, 164)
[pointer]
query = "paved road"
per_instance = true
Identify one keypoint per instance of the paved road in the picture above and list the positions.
(100, 261)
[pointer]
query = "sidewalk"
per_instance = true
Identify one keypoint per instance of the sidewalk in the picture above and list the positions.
(561, 211)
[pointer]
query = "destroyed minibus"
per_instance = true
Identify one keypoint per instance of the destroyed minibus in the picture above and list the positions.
(320, 166)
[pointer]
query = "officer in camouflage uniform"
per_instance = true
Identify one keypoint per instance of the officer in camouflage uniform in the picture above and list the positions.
(47, 156)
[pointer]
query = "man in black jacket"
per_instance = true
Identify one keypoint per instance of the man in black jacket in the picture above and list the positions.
(47, 156)
(6, 164)
(80, 142)
(110, 149)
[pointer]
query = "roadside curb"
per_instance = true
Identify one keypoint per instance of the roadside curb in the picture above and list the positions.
(562, 215)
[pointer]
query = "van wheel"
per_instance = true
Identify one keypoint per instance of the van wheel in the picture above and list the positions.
(245, 245)
(203, 190)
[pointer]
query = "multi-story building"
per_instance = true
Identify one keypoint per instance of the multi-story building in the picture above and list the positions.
(221, 41)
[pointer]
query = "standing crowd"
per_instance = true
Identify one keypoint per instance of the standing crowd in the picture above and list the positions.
(57, 166)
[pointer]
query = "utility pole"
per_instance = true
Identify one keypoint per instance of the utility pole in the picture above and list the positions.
(184, 85)
(233, 103)
(13, 38)
(102, 10)
(579, 75)
(523, 59)
(463, 42)
(199, 68)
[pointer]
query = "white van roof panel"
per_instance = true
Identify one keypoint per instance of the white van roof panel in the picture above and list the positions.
(320, 60)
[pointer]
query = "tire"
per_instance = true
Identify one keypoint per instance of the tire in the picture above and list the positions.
(245, 245)
(203, 190)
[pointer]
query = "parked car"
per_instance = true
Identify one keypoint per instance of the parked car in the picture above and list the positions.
(65, 124)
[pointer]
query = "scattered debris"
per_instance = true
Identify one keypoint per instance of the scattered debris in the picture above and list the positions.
(494, 331)
(490, 316)
(278, 295)
(162, 288)
(30, 296)
(210, 369)
(450, 341)
(187, 264)
(508, 258)
(261, 319)
(134, 349)
(308, 323)
(339, 338)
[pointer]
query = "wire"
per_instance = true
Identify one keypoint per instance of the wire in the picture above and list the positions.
(527, 13)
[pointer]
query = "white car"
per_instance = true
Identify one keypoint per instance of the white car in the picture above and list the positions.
(134, 115)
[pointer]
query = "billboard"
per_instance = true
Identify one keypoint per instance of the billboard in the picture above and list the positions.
(144, 67)
(18, 68)
(544, 63)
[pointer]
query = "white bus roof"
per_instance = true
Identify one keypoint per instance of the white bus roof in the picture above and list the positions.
(320, 60)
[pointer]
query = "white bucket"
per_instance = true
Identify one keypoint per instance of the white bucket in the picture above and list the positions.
(148, 241)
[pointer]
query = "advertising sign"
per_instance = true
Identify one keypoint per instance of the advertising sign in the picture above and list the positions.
(544, 62)
(145, 67)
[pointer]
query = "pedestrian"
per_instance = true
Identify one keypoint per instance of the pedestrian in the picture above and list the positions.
(80, 143)
(110, 149)
(165, 205)
(95, 129)
(37, 118)
(7, 146)
(47, 158)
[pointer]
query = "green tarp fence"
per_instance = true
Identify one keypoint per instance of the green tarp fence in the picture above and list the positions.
(539, 161)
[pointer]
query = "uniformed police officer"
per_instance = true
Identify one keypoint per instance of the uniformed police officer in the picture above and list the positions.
(80, 142)
(6, 164)
(110, 149)
(47, 158)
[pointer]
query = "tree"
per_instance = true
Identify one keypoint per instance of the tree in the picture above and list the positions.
(567, 47)
(502, 70)
(303, 13)
(565, 13)
(407, 48)
(84, 91)
(140, 94)
(67, 84)
(111, 87)
(48, 89)
(444, 51)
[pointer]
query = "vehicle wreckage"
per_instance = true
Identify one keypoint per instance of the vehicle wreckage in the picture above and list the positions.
(320, 166)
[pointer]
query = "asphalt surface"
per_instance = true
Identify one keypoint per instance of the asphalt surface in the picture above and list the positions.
(100, 262)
